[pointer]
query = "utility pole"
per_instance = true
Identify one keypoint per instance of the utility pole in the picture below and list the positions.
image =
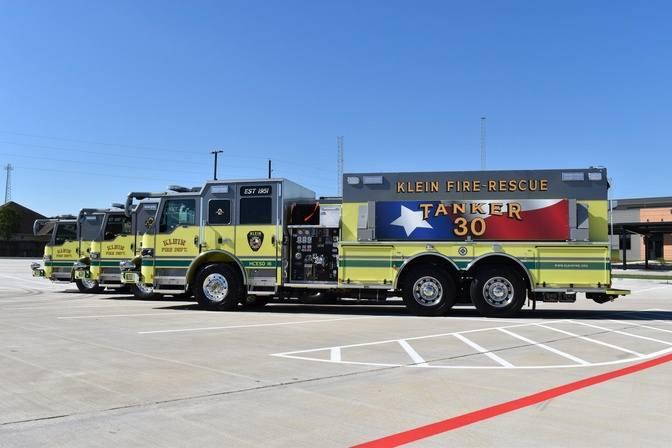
(270, 168)
(8, 183)
(339, 169)
(482, 143)
(216, 153)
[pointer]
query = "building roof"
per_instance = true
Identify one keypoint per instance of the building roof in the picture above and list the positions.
(26, 216)
(661, 201)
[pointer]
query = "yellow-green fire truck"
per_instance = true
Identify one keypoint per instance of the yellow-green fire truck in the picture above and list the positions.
(112, 241)
(67, 244)
(142, 218)
(495, 238)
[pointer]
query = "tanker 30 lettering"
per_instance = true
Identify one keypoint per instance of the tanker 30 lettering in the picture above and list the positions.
(476, 226)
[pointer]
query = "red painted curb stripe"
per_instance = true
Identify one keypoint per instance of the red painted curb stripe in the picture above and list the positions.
(459, 421)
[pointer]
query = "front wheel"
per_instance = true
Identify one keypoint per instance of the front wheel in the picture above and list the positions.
(498, 292)
(88, 286)
(429, 291)
(218, 287)
(142, 291)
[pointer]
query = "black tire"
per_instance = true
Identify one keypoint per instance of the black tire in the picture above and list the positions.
(206, 295)
(89, 290)
(439, 281)
(253, 302)
(505, 280)
(143, 294)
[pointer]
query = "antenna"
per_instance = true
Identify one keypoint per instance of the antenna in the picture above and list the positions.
(270, 168)
(339, 169)
(8, 184)
(482, 143)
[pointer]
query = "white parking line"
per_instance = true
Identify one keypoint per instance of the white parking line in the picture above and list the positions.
(335, 354)
(121, 315)
(545, 347)
(415, 356)
(274, 324)
(477, 347)
(594, 341)
(625, 333)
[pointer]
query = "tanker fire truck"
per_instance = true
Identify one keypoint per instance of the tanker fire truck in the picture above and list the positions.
(67, 244)
(492, 238)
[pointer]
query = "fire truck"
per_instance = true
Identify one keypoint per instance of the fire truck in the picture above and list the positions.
(111, 241)
(491, 238)
(142, 218)
(67, 244)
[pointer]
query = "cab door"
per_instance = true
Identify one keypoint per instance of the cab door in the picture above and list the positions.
(176, 241)
(142, 219)
(258, 233)
(219, 232)
(64, 251)
(117, 245)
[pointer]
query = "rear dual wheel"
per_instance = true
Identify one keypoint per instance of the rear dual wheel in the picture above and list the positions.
(498, 292)
(429, 291)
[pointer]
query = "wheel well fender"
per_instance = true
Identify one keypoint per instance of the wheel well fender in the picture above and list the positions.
(424, 258)
(493, 260)
(214, 256)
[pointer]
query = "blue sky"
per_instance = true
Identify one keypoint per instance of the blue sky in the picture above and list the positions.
(100, 98)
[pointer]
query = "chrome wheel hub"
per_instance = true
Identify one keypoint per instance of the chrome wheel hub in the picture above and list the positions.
(88, 283)
(427, 291)
(498, 292)
(215, 287)
(145, 289)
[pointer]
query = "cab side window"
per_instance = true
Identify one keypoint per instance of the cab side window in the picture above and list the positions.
(219, 212)
(65, 232)
(256, 210)
(177, 212)
(117, 225)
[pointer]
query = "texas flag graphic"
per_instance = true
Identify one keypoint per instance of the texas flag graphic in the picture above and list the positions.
(503, 220)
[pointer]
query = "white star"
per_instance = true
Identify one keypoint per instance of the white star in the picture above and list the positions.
(411, 220)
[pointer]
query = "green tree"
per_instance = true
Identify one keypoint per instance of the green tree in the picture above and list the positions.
(9, 222)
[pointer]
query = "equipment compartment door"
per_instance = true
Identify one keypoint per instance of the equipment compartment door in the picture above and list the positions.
(366, 265)
(571, 265)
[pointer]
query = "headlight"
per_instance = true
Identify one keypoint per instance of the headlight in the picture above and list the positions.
(94, 255)
(148, 252)
(126, 265)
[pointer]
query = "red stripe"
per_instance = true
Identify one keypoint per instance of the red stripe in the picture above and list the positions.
(433, 429)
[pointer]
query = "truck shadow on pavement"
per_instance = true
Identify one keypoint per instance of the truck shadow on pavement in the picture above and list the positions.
(460, 312)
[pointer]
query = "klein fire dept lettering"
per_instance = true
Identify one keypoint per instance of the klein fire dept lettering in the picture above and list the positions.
(174, 242)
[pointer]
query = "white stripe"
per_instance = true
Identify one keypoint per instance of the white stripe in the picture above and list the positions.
(545, 347)
(275, 324)
(624, 333)
(594, 341)
(415, 356)
(335, 354)
(119, 315)
(477, 347)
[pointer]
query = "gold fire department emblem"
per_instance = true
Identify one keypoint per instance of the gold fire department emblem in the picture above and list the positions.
(255, 238)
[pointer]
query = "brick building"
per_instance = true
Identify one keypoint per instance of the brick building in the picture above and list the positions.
(646, 223)
(23, 243)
